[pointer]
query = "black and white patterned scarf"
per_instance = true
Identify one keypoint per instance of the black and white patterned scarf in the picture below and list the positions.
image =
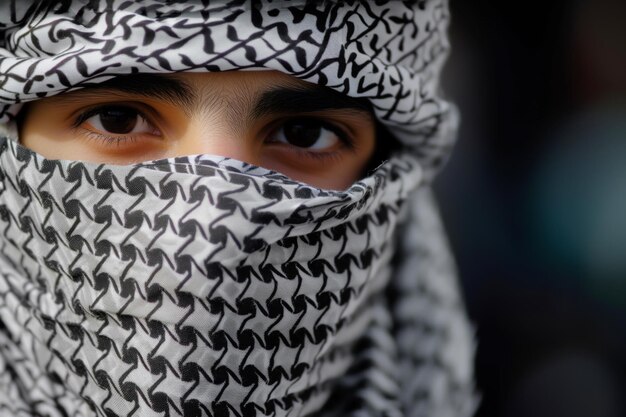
(202, 285)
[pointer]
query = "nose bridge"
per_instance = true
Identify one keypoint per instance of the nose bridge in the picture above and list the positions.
(216, 139)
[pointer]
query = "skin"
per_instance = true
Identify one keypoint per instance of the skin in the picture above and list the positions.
(320, 139)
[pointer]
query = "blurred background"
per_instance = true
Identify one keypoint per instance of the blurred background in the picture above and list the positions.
(534, 200)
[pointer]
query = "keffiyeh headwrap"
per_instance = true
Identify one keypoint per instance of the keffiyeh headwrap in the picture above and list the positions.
(202, 285)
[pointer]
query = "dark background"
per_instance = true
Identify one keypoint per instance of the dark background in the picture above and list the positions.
(534, 201)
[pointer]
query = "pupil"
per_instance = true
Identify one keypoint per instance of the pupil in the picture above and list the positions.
(302, 134)
(118, 120)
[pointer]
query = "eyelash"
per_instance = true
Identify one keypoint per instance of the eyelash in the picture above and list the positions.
(346, 139)
(107, 140)
(101, 137)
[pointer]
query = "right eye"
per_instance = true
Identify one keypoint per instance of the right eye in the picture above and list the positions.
(310, 134)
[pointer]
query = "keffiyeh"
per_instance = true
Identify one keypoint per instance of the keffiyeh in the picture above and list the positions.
(203, 285)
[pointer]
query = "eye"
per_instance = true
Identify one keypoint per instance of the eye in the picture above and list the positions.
(117, 120)
(310, 134)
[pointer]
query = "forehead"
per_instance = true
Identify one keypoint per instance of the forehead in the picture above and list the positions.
(240, 80)
(239, 91)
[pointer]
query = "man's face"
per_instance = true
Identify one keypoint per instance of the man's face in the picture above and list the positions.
(265, 118)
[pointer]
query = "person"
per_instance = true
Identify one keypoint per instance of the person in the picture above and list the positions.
(223, 208)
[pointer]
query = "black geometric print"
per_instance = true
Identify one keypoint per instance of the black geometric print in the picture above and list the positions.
(205, 286)
(160, 288)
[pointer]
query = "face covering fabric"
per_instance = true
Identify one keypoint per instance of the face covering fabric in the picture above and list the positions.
(206, 286)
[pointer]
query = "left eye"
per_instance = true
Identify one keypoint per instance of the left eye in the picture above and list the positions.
(307, 133)
(118, 120)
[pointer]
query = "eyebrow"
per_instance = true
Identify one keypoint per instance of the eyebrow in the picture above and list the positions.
(305, 99)
(162, 87)
(285, 99)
